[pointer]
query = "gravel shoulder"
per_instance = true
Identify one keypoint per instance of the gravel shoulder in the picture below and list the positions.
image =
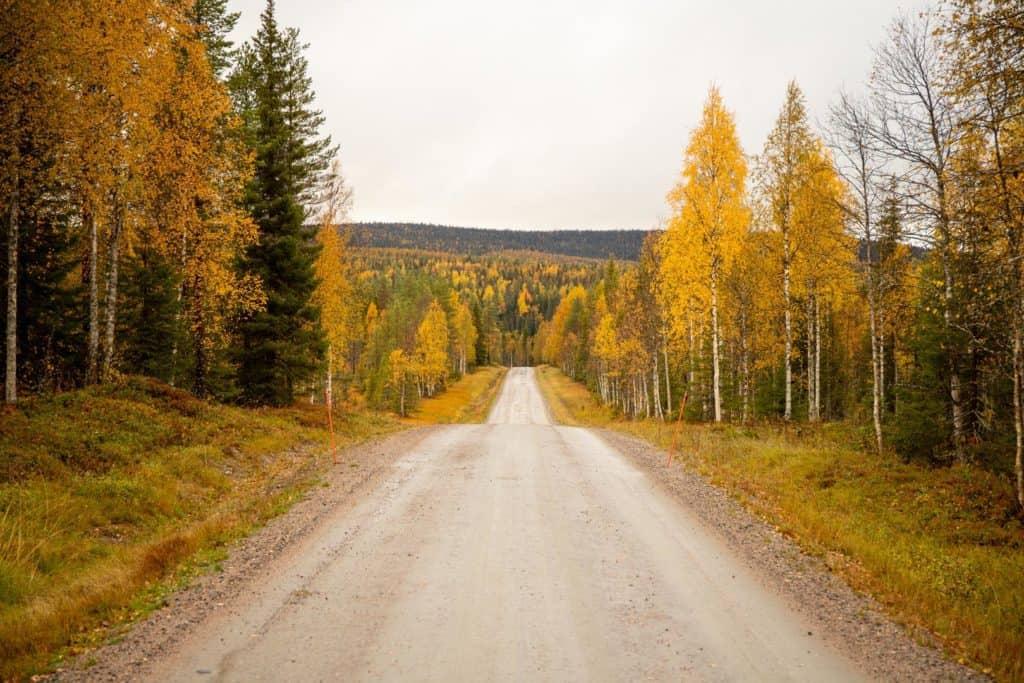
(854, 623)
(361, 469)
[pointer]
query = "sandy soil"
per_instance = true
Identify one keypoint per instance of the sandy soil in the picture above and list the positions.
(514, 550)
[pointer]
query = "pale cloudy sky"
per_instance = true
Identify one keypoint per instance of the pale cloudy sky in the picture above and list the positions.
(556, 113)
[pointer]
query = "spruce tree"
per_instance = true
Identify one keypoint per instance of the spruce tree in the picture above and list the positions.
(282, 345)
(149, 321)
(215, 24)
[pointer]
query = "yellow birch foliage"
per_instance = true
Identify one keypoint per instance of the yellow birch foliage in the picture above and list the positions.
(432, 348)
(711, 218)
(334, 292)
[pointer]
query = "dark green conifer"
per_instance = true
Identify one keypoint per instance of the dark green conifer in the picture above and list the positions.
(281, 346)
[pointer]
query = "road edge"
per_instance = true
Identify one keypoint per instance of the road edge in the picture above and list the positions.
(855, 623)
(130, 653)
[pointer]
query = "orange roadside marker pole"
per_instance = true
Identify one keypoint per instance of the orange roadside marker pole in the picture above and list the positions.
(675, 434)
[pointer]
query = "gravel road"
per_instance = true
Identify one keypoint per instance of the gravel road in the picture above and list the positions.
(513, 550)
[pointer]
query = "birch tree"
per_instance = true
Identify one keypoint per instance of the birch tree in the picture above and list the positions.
(710, 221)
(334, 291)
(781, 171)
(915, 126)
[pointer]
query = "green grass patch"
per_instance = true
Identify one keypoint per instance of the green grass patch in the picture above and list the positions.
(112, 495)
(941, 548)
(467, 401)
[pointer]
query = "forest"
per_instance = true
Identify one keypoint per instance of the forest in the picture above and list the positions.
(421, 318)
(171, 208)
(868, 269)
(595, 244)
(188, 306)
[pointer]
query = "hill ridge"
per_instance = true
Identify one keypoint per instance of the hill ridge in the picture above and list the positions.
(594, 244)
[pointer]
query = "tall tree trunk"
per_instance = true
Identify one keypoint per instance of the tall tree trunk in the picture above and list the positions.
(811, 417)
(716, 379)
(647, 400)
(788, 315)
(656, 388)
(93, 348)
(876, 375)
(882, 386)
(895, 380)
(11, 372)
(817, 358)
(691, 349)
(329, 379)
(668, 380)
(955, 390)
(1014, 238)
(178, 312)
(200, 371)
(113, 253)
(745, 362)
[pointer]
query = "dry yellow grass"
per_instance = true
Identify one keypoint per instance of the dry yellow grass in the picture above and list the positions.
(109, 495)
(942, 549)
(570, 402)
(466, 401)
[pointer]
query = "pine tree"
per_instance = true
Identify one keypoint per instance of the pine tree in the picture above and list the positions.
(282, 345)
(148, 325)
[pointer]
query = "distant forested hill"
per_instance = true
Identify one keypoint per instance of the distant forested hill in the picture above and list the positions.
(598, 244)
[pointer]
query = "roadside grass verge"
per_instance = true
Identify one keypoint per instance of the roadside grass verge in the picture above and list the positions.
(942, 549)
(466, 401)
(569, 401)
(111, 496)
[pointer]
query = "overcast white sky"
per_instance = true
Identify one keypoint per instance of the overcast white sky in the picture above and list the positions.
(556, 113)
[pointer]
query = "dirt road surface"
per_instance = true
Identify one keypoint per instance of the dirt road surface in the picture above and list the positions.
(513, 550)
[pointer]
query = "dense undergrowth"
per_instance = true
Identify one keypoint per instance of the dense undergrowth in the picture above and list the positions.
(940, 547)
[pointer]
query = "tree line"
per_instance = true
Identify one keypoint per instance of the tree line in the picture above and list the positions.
(596, 244)
(174, 210)
(157, 182)
(870, 269)
(419, 319)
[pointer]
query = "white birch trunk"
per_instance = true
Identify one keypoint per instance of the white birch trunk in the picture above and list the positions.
(716, 379)
(668, 378)
(810, 361)
(744, 366)
(656, 389)
(788, 314)
(817, 359)
(329, 379)
(876, 392)
(111, 294)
